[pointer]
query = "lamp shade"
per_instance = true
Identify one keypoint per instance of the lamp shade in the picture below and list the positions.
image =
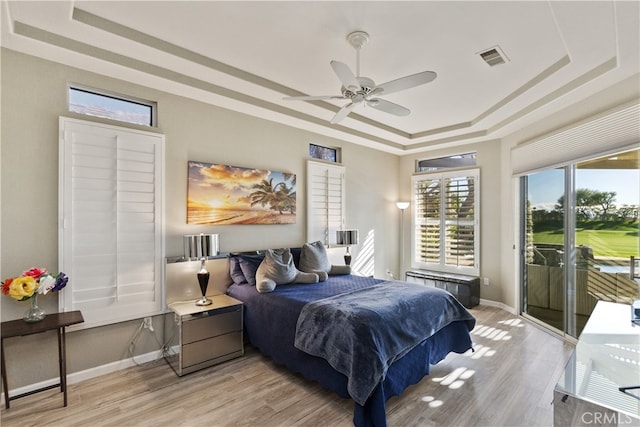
(402, 205)
(198, 246)
(347, 237)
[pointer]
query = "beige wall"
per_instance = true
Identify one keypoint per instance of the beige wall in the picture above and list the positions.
(34, 96)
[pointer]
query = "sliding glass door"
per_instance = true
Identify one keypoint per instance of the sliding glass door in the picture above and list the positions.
(544, 248)
(581, 239)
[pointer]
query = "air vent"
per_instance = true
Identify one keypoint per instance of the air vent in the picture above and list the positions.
(493, 56)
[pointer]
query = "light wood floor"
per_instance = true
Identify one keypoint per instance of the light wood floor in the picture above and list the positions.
(508, 381)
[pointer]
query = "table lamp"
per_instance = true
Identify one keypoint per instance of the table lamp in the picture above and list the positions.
(201, 246)
(347, 238)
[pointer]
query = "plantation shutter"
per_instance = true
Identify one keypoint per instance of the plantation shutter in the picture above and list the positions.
(428, 195)
(325, 201)
(111, 225)
(459, 221)
(446, 224)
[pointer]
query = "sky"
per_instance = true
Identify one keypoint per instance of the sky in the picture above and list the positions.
(545, 188)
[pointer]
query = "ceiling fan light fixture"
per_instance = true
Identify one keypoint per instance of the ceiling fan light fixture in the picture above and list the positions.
(360, 90)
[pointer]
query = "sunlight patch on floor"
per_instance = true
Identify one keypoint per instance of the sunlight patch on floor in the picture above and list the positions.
(491, 333)
(455, 379)
(518, 323)
(479, 351)
(432, 401)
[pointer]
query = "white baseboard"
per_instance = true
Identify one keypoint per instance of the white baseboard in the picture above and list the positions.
(499, 305)
(76, 377)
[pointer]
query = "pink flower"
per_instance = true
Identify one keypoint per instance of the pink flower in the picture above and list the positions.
(35, 272)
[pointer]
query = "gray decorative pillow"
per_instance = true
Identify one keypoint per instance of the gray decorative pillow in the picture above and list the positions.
(314, 259)
(278, 268)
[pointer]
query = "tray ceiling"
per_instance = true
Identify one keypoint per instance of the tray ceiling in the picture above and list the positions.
(247, 56)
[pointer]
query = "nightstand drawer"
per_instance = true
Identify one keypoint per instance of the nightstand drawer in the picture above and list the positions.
(197, 337)
(211, 326)
(211, 348)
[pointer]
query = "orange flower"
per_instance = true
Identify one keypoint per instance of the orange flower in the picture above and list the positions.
(5, 286)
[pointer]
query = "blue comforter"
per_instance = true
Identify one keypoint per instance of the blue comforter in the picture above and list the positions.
(270, 323)
(362, 332)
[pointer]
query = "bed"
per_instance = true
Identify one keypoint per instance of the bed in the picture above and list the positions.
(274, 321)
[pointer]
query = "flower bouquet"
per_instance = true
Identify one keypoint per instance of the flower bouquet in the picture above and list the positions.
(33, 282)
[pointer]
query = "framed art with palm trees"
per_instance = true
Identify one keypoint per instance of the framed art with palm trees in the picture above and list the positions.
(223, 194)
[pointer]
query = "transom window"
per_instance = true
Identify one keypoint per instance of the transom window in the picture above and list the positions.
(96, 103)
(449, 162)
(324, 153)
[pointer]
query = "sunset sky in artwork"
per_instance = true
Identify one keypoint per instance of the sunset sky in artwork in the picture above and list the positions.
(226, 187)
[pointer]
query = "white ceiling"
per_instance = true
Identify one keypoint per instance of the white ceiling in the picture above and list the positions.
(247, 56)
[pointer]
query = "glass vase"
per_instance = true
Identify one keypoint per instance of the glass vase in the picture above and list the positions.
(33, 313)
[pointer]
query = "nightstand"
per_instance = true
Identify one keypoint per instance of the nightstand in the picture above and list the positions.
(197, 337)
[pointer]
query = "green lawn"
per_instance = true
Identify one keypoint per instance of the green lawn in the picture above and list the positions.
(605, 243)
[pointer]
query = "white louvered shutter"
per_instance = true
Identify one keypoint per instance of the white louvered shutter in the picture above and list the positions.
(446, 221)
(111, 221)
(325, 201)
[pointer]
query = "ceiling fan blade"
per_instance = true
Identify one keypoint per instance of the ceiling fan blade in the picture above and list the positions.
(344, 112)
(346, 76)
(388, 107)
(405, 83)
(310, 98)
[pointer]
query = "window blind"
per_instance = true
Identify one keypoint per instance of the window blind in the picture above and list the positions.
(325, 201)
(611, 131)
(111, 236)
(446, 222)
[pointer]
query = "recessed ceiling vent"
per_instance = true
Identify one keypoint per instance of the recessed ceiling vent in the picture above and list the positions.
(493, 56)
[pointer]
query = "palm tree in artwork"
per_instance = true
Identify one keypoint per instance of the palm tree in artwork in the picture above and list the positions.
(290, 177)
(286, 197)
(264, 195)
(281, 197)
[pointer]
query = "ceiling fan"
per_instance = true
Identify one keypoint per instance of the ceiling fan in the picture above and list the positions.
(363, 90)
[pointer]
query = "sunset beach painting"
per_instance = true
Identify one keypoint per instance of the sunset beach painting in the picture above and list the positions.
(223, 194)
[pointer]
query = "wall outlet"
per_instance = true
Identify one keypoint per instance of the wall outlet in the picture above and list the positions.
(146, 322)
(485, 281)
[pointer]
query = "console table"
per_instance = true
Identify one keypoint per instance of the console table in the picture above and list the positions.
(606, 359)
(17, 328)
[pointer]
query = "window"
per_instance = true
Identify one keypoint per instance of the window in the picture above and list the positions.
(450, 162)
(92, 102)
(325, 201)
(446, 221)
(111, 187)
(324, 153)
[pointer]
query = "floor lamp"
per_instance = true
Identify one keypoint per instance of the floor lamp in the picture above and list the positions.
(402, 206)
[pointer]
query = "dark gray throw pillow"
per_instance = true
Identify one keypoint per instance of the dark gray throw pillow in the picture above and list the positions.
(249, 265)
